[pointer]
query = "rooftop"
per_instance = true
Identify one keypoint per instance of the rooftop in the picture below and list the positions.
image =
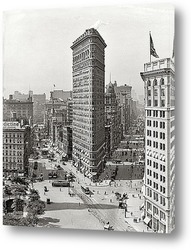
(159, 64)
(88, 33)
(11, 125)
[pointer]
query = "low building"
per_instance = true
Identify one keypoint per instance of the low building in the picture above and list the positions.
(22, 111)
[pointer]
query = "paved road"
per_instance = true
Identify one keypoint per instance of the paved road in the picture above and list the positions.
(103, 206)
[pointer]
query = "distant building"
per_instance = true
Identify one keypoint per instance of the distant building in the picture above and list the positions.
(69, 111)
(60, 94)
(113, 120)
(123, 94)
(21, 97)
(159, 183)
(39, 101)
(15, 110)
(67, 141)
(55, 117)
(16, 148)
(88, 101)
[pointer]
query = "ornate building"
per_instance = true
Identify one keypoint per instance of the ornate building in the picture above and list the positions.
(88, 101)
(159, 84)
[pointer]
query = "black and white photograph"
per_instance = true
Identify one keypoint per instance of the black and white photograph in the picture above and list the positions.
(89, 118)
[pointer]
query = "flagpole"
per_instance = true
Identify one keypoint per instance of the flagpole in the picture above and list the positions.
(150, 44)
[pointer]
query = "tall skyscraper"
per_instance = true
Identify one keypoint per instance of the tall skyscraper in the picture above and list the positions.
(88, 101)
(159, 182)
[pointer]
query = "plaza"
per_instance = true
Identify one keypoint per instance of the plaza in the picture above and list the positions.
(81, 211)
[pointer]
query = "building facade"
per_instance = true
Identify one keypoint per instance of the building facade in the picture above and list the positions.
(88, 101)
(39, 101)
(21, 111)
(55, 118)
(123, 94)
(159, 85)
(16, 148)
(112, 120)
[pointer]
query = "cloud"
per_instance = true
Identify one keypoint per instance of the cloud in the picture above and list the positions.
(98, 24)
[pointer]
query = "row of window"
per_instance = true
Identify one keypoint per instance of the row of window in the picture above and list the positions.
(155, 82)
(156, 103)
(156, 210)
(155, 134)
(156, 124)
(12, 147)
(155, 165)
(155, 92)
(156, 186)
(14, 160)
(156, 144)
(12, 135)
(156, 175)
(156, 113)
(12, 141)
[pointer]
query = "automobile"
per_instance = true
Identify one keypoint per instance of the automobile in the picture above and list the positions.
(52, 175)
(59, 167)
(85, 190)
(63, 163)
(61, 183)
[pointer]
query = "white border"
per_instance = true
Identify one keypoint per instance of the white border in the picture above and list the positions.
(28, 238)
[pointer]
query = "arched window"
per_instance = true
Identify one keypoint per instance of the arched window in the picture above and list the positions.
(148, 83)
(155, 82)
(162, 81)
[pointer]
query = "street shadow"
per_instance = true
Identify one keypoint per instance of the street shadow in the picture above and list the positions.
(45, 222)
(77, 206)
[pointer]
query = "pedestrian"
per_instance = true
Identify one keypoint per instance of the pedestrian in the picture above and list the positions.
(79, 203)
(60, 189)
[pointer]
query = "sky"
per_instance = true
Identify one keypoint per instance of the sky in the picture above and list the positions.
(37, 53)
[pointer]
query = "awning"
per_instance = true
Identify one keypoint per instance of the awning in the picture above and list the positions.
(147, 220)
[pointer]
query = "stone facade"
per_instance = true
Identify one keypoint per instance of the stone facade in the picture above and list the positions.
(88, 101)
(159, 183)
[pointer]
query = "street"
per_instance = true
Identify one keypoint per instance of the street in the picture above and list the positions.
(101, 206)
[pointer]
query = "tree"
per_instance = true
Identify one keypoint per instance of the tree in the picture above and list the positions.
(36, 207)
(34, 195)
(19, 180)
(16, 220)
